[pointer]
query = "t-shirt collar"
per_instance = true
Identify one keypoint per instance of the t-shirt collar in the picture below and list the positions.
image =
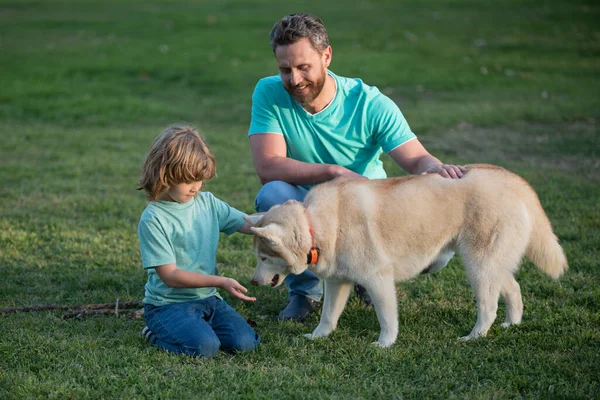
(329, 106)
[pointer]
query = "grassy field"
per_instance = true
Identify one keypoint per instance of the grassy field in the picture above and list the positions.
(86, 85)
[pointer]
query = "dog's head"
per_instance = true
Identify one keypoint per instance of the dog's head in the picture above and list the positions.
(278, 243)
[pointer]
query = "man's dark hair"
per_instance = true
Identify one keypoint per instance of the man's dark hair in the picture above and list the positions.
(293, 27)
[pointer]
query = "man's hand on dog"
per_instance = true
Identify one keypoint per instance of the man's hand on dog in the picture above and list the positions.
(446, 170)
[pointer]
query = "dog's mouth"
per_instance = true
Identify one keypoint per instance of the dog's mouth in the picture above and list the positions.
(275, 280)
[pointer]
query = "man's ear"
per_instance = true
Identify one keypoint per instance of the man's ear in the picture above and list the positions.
(272, 233)
(327, 54)
(253, 219)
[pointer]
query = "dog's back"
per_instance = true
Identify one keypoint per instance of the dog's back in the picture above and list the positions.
(407, 222)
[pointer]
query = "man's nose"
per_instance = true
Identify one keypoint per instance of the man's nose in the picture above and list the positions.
(295, 78)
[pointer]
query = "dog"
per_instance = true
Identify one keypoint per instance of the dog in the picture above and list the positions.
(378, 232)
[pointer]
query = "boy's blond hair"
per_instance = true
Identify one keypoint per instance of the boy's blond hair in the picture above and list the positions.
(177, 155)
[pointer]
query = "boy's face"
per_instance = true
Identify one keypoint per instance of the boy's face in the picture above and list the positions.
(182, 193)
(303, 70)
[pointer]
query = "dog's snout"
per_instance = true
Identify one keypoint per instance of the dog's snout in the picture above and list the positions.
(253, 282)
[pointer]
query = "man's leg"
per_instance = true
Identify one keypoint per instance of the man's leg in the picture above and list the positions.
(305, 290)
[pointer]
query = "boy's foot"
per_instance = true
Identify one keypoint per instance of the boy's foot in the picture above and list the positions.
(147, 334)
(362, 294)
(298, 308)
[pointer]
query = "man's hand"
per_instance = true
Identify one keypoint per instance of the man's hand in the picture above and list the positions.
(234, 288)
(337, 170)
(446, 170)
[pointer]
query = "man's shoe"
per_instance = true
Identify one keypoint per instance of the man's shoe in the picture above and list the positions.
(362, 294)
(298, 308)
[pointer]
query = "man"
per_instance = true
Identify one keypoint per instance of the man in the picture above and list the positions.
(309, 126)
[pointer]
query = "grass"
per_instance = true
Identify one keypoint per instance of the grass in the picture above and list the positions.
(86, 86)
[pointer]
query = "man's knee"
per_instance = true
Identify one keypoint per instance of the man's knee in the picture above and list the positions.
(275, 192)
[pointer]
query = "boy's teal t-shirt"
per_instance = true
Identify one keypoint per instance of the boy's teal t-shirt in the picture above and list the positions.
(352, 131)
(185, 234)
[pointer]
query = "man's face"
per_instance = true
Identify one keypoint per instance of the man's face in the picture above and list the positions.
(303, 70)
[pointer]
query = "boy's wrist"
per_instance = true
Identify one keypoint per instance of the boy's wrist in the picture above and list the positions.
(222, 281)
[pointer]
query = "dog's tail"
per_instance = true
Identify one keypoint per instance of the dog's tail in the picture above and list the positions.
(543, 248)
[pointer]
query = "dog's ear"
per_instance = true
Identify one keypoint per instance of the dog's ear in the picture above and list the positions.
(253, 219)
(272, 233)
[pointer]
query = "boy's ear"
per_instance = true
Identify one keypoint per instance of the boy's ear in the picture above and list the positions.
(254, 218)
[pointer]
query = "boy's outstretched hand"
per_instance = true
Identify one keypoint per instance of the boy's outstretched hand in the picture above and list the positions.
(234, 288)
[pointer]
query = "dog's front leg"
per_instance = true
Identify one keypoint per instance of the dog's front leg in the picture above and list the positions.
(336, 294)
(382, 290)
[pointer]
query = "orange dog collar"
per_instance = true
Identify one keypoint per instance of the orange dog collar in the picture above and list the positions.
(313, 255)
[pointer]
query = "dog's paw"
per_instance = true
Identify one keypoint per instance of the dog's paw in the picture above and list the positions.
(312, 336)
(471, 336)
(384, 345)
(507, 324)
(320, 331)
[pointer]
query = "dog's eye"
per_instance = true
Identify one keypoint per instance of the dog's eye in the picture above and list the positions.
(263, 258)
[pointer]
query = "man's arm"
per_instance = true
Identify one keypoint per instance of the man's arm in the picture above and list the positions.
(179, 278)
(271, 163)
(413, 158)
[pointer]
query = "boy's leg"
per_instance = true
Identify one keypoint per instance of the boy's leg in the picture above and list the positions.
(305, 290)
(181, 328)
(231, 328)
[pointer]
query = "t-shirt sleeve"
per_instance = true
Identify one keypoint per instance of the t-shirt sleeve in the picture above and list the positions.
(263, 118)
(155, 247)
(230, 219)
(390, 128)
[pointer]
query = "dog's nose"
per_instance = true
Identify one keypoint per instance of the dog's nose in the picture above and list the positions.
(253, 282)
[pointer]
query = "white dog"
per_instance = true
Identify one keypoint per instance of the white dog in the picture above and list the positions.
(377, 232)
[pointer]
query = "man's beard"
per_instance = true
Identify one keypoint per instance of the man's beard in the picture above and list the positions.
(314, 90)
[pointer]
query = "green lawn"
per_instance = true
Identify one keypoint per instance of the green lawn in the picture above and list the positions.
(86, 85)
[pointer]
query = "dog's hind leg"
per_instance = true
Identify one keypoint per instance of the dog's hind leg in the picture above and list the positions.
(487, 292)
(511, 295)
(382, 290)
(336, 295)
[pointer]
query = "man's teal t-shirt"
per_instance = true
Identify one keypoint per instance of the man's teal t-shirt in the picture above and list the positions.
(185, 234)
(352, 131)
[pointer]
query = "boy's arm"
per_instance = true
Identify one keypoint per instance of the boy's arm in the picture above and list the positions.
(245, 229)
(179, 278)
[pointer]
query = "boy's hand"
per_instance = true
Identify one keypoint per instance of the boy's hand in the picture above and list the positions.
(234, 288)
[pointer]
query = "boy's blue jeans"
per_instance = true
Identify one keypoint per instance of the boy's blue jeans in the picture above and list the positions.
(200, 328)
(278, 192)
